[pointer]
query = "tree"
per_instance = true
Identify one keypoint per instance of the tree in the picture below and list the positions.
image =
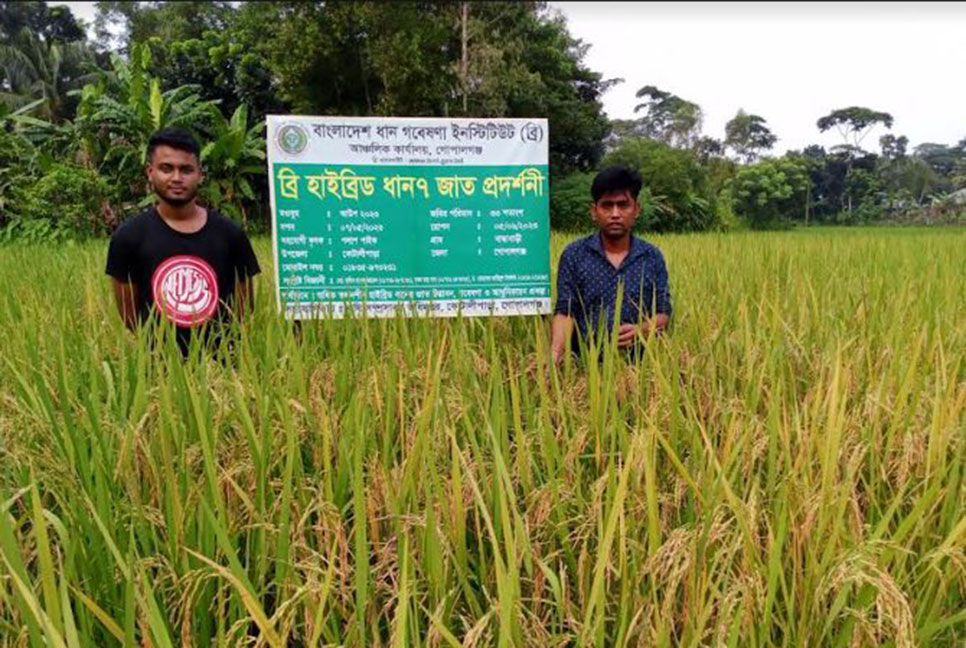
(830, 183)
(853, 123)
(224, 66)
(747, 135)
(708, 147)
(50, 24)
(569, 202)
(169, 21)
(553, 82)
(620, 130)
(896, 172)
(501, 59)
(893, 148)
(919, 179)
(941, 158)
(34, 68)
(768, 193)
(677, 193)
(18, 161)
(667, 117)
(958, 176)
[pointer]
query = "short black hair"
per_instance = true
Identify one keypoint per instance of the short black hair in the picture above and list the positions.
(616, 178)
(176, 138)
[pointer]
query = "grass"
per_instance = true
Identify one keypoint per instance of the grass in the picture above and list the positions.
(784, 469)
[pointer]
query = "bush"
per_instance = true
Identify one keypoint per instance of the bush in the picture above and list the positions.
(678, 195)
(24, 191)
(570, 202)
(38, 231)
(70, 196)
(17, 157)
(766, 193)
(570, 205)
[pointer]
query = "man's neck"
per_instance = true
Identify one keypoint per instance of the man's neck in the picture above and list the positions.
(187, 218)
(615, 246)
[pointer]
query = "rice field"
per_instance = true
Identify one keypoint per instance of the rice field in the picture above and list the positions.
(784, 468)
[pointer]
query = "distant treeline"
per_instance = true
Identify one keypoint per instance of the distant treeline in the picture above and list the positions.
(75, 113)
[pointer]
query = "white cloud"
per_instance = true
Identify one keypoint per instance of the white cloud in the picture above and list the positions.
(83, 10)
(791, 63)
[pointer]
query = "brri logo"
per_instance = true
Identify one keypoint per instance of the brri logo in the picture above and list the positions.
(291, 139)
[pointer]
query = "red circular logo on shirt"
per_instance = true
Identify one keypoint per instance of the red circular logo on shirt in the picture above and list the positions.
(185, 288)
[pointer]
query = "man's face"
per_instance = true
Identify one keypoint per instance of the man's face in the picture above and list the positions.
(615, 213)
(174, 175)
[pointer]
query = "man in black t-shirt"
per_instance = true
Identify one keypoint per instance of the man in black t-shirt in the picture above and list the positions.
(187, 264)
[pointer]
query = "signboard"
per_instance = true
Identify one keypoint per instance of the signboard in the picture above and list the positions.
(430, 216)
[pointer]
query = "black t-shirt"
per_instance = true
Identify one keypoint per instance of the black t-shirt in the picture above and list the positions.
(187, 278)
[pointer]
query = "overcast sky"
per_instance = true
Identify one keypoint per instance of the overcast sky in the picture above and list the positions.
(791, 63)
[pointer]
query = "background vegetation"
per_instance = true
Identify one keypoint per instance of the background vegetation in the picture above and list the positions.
(75, 113)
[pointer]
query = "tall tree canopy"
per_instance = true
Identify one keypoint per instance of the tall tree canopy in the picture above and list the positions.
(170, 21)
(43, 55)
(668, 117)
(500, 59)
(747, 135)
(49, 23)
(854, 123)
(893, 147)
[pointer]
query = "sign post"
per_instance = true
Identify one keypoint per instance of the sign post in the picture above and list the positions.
(431, 216)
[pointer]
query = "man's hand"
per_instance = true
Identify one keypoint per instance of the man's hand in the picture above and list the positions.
(627, 332)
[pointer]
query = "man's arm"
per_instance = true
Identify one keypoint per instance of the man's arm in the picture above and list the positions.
(246, 267)
(125, 297)
(562, 325)
(662, 310)
(244, 298)
(561, 328)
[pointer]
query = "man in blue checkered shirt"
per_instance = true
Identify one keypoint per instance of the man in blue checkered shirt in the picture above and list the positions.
(594, 270)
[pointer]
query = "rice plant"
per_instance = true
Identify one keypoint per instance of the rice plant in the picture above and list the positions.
(784, 468)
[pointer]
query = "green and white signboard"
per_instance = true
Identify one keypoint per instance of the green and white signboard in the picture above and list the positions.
(432, 216)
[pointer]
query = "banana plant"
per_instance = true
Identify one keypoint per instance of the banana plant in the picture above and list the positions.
(235, 154)
(119, 113)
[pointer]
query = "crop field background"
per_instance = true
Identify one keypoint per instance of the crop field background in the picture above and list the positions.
(784, 468)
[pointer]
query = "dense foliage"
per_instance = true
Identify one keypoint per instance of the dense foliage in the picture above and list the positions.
(72, 104)
(677, 194)
(767, 192)
(218, 69)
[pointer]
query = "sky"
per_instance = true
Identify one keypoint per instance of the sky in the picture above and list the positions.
(789, 62)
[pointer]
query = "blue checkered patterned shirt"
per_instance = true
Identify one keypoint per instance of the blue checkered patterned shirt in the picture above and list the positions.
(587, 284)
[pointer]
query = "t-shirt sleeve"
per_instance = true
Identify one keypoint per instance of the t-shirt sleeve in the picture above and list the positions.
(244, 260)
(662, 290)
(566, 285)
(121, 255)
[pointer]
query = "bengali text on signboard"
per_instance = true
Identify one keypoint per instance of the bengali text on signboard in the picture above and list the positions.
(425, 216)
